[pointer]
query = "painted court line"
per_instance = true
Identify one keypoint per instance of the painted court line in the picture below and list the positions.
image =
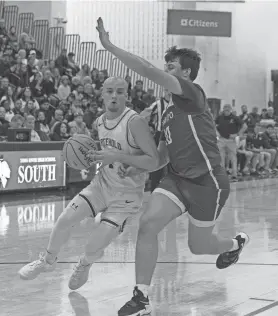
(261, 299)
(263, 309)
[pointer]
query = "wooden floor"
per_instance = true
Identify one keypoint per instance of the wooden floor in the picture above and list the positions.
(183, 284)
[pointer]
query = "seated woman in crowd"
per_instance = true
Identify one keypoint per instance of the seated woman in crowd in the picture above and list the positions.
(61, 132)
(64, 88)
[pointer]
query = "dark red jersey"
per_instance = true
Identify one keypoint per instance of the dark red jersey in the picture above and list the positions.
(190, 134)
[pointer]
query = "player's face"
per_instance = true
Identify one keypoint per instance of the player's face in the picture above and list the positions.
(114, 96)
(173, 67)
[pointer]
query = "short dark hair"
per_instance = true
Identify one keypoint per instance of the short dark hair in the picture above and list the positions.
(188, 58)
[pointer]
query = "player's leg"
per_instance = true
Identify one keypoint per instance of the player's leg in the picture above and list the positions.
(214, 188)
(79, 208)
(163, 207)
(112, 223)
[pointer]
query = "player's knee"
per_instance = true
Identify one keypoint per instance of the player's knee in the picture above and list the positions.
(147, 225)
(65, 220)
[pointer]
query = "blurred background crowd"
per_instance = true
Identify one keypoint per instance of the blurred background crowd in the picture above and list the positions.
(54, 98)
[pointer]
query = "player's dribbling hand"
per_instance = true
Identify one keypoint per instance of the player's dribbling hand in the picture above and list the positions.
(106, 157)
(129, 172)
(103, 35)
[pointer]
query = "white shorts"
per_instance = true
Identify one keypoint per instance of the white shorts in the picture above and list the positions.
(115, 206)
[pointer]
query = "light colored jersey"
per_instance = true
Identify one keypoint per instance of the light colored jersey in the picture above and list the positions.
(115, 135)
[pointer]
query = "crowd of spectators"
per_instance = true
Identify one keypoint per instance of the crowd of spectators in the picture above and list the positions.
(248, 142)
(54, 98)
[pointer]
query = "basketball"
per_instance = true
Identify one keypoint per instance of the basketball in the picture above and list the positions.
(75, 150)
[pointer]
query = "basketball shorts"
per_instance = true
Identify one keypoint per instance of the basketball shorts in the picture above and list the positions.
(115, 206)
(202, 198)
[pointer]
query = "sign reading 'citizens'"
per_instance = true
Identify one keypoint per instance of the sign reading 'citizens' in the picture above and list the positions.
(199, 23)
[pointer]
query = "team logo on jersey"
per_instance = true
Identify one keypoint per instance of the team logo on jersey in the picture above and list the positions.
(5, 172)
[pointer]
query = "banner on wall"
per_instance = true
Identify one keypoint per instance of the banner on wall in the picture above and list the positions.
(199, 23)
(23, 170)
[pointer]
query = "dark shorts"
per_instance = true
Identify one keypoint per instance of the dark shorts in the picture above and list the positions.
(203, 197)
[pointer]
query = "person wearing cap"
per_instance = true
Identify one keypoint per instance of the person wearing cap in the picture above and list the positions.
(32, 58)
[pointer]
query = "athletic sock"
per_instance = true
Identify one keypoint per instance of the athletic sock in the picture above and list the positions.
(235, 245)
(50, 257)
(144, 289)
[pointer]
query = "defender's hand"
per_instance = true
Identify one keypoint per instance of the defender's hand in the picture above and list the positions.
(103, 35)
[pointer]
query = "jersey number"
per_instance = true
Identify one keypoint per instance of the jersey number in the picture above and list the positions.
(167, 134)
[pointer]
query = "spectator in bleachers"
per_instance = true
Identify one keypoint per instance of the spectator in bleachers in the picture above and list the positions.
(270, 115)
(72, 64)
(17, 121)
(4, 63)
(79, 92)
(138, 104)
(149, 97)
(254, 143)
(254, 118)
(41, 124)
(60, 132)
(8, 98)
(32, 58)
(56, 78)
(48, 111)
(26, 41)
(244, 114)
(30, 124)
(3, 30)
(129, 88)
(22, 54)
(90, 115)
(4, 87)
(13, 38)
(249, 158)
(84, 72)
(26, 96)
(77, 126)
(62, 62)
(94, 75)
(24, 76)
(99, 82)
(64, 88)
(138, 87)
(58, 118)
(47, 84)
(18, 109)
(4, 124)
(229, 126)
(271, 146)
(51, 66)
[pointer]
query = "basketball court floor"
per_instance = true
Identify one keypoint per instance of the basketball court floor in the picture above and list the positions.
(183, 284)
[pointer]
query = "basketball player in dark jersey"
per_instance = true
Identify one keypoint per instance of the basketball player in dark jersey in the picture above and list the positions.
(196, 183)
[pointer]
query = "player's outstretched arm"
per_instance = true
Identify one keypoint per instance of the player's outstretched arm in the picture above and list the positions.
(146, 69)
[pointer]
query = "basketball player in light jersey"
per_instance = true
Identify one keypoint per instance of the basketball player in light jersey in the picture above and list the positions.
(125, 138)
